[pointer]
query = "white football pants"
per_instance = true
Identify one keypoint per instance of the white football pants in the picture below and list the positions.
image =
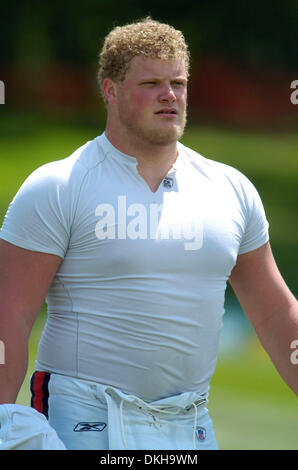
(91, 416)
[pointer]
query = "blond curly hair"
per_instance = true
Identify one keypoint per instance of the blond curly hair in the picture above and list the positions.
(148, 38)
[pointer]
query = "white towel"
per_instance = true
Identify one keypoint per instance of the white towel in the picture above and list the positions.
(23, 428)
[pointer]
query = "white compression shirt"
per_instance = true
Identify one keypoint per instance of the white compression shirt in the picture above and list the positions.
(138, 300)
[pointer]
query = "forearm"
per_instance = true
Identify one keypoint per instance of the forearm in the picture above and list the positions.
(14, 339)
(278, 334)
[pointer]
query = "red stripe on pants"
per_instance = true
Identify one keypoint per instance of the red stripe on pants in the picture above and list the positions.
(37, 391)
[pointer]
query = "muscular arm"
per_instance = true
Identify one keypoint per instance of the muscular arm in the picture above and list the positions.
(25, 277)
(270, 307)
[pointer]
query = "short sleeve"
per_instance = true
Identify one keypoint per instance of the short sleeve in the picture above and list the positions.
(256, 231)
(38, 216)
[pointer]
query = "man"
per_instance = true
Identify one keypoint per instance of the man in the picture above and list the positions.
(133, 239)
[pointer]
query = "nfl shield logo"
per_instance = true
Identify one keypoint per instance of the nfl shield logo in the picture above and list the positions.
(201, 433)
(168, 182)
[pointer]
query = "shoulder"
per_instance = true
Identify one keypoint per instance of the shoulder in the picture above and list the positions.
(75, 165)
(40, 216)
(65, 173)
(217, 171)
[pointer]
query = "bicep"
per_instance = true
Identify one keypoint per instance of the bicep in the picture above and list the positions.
(259, 286)
(25, 277)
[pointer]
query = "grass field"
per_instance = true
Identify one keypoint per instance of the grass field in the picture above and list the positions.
(250, 405)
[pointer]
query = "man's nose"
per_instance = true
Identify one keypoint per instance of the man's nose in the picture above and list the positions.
(167, 95)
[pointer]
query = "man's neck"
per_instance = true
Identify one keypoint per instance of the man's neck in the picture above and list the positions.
(154, 161)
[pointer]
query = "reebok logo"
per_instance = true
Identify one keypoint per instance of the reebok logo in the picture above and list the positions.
(93, 426)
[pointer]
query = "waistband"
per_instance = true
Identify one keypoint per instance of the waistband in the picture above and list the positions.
(117, 402)
(178, 404)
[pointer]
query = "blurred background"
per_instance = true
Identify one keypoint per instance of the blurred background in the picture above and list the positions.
(244, 59)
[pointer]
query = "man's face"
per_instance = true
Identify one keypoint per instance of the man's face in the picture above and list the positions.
(151, 101)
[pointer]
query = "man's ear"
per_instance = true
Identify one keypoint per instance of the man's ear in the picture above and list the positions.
(109, 88)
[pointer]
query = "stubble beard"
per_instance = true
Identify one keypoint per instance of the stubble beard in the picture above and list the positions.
(156, 136)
